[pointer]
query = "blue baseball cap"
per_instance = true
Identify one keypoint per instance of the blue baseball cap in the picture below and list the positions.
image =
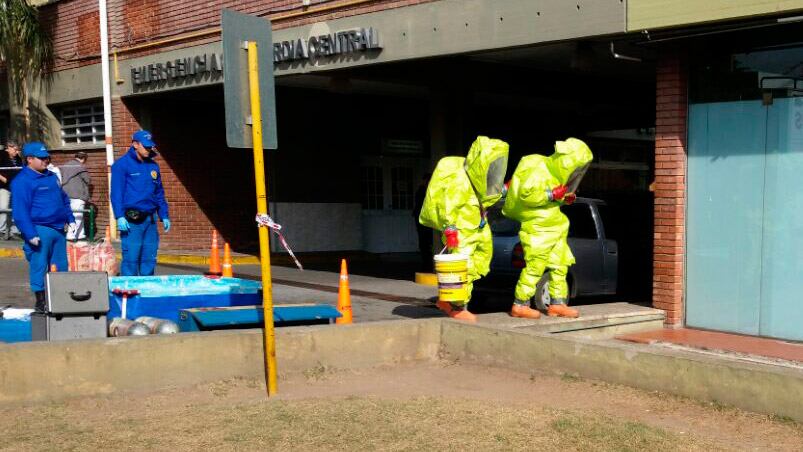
(35, 149)
(143, 137)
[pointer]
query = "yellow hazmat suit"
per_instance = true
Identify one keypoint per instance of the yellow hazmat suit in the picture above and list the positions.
(544, 227)
(459, 193)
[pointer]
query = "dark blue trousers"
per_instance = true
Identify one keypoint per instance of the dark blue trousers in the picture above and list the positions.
(52, 249)
(140, 245)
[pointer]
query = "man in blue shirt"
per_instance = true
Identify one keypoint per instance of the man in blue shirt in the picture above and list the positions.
(137, 195)
(42, 213)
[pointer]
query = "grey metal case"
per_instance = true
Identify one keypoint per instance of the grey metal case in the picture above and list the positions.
(77, 292)
(59, 328)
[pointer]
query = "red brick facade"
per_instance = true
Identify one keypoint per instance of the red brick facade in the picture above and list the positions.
(670, 187)
(198, 199)
(96, 164)
(74, 26)
(74, 23)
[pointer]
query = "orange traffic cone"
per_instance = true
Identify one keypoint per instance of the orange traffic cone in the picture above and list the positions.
(344, 295)
(214, 258)
(228, 272)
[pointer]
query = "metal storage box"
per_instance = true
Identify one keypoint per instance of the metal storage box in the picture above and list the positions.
(77, 292)
(77, 303)
(51, 328)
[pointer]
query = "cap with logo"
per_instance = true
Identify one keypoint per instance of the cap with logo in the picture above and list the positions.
(35, 149)
(144, 138)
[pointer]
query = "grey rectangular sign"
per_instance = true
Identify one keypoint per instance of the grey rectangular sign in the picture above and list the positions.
(237, 29)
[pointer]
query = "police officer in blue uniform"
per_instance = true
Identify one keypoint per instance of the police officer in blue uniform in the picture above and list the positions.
(42, 213)
(137, 195)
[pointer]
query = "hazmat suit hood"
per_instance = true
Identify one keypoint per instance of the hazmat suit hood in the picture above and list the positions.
(486, 165)
(569, 162)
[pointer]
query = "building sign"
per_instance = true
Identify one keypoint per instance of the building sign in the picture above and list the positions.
(328, 45)
(178, 71)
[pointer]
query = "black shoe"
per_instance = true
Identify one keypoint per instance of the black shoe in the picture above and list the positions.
(41, 304)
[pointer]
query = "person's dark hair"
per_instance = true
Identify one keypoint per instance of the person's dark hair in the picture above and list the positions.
(81, 155)
(12, 143)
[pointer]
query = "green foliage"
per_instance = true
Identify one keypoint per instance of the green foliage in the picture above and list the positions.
(26, 49)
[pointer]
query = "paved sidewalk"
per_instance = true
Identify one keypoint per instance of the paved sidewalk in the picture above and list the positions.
(372, 298)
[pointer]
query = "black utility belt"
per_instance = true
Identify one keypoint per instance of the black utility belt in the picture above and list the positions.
(137, 216)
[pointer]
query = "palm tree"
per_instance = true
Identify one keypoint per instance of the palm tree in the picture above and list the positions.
(26, 53)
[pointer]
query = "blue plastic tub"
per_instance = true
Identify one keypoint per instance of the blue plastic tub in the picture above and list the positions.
(164, 296)
(15, 330)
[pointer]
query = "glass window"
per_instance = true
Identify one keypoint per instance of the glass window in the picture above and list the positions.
(747, 75)
(610, 227)
(581, 223)
(401, 188)
(82, 124)
(372, 188)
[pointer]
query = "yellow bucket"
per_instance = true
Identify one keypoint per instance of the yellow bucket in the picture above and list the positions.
(452, 271)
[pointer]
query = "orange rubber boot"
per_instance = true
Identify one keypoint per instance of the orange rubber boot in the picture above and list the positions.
(561, 310)
(444, 306)
(462, 314)
(524, 312)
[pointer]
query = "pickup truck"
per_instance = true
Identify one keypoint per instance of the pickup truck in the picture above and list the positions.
(594, 273)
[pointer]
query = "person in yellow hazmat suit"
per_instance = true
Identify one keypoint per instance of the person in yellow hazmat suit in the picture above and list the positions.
(458, 196)
(539, 186)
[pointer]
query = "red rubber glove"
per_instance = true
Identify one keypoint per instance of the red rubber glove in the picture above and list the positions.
(558, 192)
(452, 241)
(569, 199)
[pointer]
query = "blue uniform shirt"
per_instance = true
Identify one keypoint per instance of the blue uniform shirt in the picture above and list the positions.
(38, 200)
(137, 185)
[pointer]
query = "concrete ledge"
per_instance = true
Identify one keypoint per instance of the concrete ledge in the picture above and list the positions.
(426, 279)
(755, 387)
(12, 252)
(39, 371)
(200, 260)
(192, 259)
(31, 372)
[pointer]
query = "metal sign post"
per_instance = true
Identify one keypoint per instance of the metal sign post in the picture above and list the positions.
(244, 107)
(262, 209)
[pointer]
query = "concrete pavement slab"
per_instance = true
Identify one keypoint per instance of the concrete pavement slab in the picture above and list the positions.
(368, 302)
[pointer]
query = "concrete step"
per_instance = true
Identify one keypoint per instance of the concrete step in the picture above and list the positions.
(601, 321)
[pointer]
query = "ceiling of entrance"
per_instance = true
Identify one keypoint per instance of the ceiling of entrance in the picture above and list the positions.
(564, 76)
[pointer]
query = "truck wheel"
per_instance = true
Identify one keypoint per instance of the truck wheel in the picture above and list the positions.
(542, 299)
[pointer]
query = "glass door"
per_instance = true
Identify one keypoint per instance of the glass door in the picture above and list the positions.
(744, 247)
(388, 201)
(725, 215)
(781, 312)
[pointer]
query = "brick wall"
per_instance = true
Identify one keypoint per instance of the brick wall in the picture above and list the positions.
(96, 164)
(74, 26)
(144, 20)
(206, 184)
(202, 188)
(74, 23)
(670, 187)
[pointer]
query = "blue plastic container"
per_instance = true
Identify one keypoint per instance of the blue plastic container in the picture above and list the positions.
(15, 330)
(164, 296)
